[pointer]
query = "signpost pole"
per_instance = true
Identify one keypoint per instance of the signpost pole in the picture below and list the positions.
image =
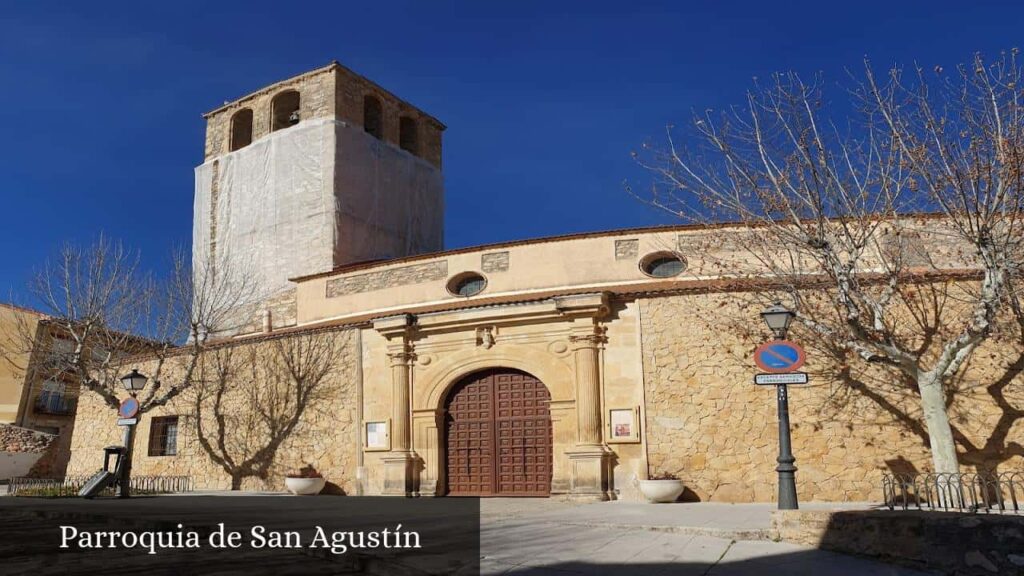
(786, 460)
(781, 356)
(128, 412)
(125, 480)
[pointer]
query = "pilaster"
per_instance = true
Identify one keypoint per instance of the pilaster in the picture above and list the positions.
(402, 464)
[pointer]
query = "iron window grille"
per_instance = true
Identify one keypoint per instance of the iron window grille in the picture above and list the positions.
(163, 436)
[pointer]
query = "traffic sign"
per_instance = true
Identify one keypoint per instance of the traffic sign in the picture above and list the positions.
(787, 378)
(127, 421)
(779, 356)
(129, 408)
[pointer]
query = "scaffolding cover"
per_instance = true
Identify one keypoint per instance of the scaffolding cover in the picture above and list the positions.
(312, 197)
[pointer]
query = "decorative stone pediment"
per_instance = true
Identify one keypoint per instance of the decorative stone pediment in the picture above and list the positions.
(561, 308)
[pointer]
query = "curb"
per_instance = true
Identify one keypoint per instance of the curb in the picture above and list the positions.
(724, 533)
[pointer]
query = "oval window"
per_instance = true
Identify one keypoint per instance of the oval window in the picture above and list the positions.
(663, 265)
(468, 284)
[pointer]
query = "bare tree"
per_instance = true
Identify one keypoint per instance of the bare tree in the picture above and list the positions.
(250, 397)
(897, 235)
(101, 301)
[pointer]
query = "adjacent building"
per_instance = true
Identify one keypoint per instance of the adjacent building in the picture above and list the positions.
(31, 395)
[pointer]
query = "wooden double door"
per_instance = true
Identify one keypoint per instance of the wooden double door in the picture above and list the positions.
(498, 435)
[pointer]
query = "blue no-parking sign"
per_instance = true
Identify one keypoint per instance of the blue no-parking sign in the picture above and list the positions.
(129, 408)
(779, 356)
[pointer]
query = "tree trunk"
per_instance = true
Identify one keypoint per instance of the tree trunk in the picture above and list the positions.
(936, 419)
(236, 481)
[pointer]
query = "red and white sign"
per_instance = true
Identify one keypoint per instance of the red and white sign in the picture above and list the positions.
(779, 356)
(129, 408)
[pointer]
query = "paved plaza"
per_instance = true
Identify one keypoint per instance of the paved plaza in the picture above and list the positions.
(529, 537)
(526, 536)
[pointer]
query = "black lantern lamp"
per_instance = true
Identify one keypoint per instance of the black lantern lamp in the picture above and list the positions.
(134, 381)
(778, 318)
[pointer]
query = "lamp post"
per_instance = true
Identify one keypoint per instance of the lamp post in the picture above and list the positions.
(778, 318)
(133, 382)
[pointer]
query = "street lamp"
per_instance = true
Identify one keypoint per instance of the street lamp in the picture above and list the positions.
(778, 318)
(133, 382)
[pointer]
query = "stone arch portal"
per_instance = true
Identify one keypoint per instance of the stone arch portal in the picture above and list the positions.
(497, 435)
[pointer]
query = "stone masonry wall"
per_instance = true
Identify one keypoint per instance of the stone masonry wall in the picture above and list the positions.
(328, 92)
(401, 276)
(951, 543)
(352, 88)
(316, 101)
(707, 422)
(17, 440)
(325, 437)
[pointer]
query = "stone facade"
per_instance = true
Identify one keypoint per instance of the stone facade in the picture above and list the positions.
(325, 437)
(601, 336)
(707, 422)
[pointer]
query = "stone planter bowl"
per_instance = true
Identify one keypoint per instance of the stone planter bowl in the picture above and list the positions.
(661, 490)
(304, 486)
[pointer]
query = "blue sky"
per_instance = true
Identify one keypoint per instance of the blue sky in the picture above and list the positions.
(544, 101)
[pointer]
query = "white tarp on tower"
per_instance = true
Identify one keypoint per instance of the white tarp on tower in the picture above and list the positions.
(312, 197)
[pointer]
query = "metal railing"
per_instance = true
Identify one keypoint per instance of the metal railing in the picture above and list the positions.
(56, 404)
(966, 492)
(70, 485)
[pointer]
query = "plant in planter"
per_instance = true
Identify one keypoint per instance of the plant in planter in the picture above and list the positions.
(662, 487)
(304, 481)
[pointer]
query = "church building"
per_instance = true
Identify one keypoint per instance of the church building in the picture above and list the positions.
(569, 366)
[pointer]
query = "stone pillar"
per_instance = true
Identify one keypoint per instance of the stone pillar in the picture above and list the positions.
(591, 458)
(400, 466)
(400, 363)
(588, 389)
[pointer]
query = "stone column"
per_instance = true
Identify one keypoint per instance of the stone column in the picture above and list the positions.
(400, 365)
(591, 458)
(400, 466)
(588, 389)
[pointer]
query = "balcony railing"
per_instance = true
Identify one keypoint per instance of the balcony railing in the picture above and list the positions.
(56, 404)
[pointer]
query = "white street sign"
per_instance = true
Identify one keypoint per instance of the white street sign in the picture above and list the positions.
(787, 378)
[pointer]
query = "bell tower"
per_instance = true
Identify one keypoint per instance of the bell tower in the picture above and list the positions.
(312, 173)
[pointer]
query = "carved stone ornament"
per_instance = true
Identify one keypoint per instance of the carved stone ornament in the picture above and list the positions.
(485, 336)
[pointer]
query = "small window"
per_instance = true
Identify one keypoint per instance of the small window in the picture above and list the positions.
(241, 129)
(53, 399)
(284, 110)
(663, 265)
(163, 436)
(408, 138)
(467, 284)
(373, 121)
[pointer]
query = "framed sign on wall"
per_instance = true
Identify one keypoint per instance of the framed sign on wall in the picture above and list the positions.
(624, 425)
(377, 436)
